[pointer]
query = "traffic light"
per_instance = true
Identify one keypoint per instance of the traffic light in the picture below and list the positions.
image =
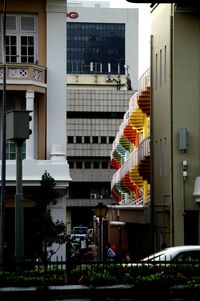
(30, 119)
(17, 125)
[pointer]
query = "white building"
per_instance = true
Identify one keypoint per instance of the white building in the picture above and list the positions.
(101, 41)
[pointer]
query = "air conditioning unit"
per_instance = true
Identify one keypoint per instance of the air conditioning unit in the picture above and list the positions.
(93, 196)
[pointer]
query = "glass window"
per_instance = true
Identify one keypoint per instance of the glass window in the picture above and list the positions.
(95, 139)
(96, 165)
(11, 152)
(21, 37)
(87, 139)
(70, 139)
(103, 139)
(96, 43)
(78, 139)
(79, 164)
(27, 49)
(111, 139)
(87, 165)
(105, 165)
(71, 164)
(11, 49)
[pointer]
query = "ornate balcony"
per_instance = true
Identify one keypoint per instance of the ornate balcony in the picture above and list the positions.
(24, 75)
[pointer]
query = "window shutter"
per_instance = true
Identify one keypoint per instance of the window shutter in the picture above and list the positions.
(11, 23)
(27, 23)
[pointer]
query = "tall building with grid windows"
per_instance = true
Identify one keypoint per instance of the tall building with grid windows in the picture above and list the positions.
(102, 75)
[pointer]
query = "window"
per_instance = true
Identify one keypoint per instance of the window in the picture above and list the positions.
(95, 43)
(70, 139)
(105, 165)
(111, 139)
(21, 39)
(87, 165)
(79, 164)
(96, 165)
(11, 152)
(103, 139)
(78, 139)
(71, 164)
(27, 49)
(95, 139)
(86, 139)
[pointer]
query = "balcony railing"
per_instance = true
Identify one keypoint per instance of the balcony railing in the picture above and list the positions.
(142, 201)
(26, 72)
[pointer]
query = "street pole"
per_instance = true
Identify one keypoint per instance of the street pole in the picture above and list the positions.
(3, 144)
(100, 211)
(17, 130)
(19, 210)
(100, 238)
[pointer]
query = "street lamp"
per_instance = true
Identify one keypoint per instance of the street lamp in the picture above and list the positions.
(119, 225)
(100, 211)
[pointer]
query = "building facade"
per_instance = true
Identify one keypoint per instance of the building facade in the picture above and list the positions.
(174, 129)
(175, 123)
(34, 58)
(101, 78)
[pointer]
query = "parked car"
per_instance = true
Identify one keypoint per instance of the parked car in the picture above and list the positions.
(78, 232)
(179, 253)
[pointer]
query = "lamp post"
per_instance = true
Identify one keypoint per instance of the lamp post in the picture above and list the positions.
(100, 211)
(3, 143)
(119, 225)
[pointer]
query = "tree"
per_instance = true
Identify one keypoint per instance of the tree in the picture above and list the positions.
(48, 231)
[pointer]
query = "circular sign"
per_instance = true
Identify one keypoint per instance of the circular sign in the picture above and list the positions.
(72, 15)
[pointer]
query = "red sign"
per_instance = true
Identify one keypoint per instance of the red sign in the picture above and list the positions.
(72, 15)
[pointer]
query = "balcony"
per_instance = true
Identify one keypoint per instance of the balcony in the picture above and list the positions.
(24, 76)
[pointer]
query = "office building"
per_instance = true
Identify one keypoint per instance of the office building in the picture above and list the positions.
(102, 75)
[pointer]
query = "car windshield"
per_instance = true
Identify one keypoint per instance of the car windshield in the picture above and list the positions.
(156, 256)
(81, 230)
(76, 240)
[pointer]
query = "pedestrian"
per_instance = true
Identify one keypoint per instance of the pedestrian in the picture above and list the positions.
(69, 247)
(83, 246)
(111, 255)
(89, 255)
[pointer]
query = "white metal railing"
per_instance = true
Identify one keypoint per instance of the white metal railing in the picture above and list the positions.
(144, 81)
(133, 103)
(136, 202)
(128, 164)
(144, 149)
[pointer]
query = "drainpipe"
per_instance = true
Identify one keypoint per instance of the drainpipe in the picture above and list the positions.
(152, 225)
(171, 103)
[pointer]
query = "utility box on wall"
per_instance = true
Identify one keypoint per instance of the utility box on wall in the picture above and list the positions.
(17, 125)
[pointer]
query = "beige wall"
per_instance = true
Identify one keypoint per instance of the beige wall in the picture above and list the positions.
(39, 7)
(175, 105)
(160, 120)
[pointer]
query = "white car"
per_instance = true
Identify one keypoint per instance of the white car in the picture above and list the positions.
(178, 253)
